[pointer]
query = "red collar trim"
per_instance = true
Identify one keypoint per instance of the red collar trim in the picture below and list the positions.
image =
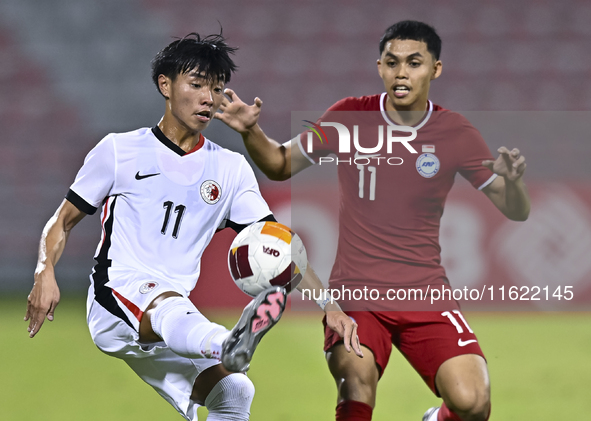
(173, 146)
(199, 144)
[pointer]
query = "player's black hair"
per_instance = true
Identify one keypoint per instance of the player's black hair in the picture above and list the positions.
(416, 31)
(210, 55)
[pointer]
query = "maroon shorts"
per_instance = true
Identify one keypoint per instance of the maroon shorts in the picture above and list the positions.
(426, 338)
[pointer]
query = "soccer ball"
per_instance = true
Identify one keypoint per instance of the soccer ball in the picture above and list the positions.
(267, 254)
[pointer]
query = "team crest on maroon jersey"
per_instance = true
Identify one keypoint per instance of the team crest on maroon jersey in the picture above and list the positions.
(211, 192)
(428, 165)
(147, 287)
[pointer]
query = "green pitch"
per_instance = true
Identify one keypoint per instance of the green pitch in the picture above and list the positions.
(540, 368)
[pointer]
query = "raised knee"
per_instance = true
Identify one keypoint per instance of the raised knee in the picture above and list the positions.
(357, 387)
(470, 404)
(231, 398)
(356, 378)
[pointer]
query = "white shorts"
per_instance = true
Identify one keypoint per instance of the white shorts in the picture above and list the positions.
(113, 319)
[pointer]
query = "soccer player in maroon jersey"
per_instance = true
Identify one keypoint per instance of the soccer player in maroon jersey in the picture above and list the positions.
(385, 242)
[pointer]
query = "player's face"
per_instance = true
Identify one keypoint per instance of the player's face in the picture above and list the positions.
(407, 68)
(192, 99)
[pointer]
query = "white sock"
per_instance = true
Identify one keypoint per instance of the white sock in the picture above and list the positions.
(230, 399)
(212, 344)
(186, 331)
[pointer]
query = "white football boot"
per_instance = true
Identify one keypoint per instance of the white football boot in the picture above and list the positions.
(431, 414)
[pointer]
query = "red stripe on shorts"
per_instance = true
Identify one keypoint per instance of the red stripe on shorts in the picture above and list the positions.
(131, 306)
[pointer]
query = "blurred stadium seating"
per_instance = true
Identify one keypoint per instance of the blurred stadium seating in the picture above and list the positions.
(70, 72)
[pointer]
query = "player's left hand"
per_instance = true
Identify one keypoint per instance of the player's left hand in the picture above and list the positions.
(510, 164)
(346, 328)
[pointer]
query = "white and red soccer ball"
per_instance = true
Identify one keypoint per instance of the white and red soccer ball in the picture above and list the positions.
(267, 254)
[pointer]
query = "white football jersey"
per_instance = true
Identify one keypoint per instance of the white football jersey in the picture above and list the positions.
(161, 205)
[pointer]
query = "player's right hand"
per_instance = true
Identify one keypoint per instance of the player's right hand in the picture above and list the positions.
(346, 327)
(238, 115)
(42, 301)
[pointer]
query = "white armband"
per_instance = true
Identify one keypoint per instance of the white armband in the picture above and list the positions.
(324, 299)
(322, 303)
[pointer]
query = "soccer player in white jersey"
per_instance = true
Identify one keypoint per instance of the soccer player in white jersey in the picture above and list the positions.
(163, 193)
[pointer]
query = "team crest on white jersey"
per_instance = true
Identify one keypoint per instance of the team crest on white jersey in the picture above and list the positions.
(211, 192)
(428, 165)
(147, 287)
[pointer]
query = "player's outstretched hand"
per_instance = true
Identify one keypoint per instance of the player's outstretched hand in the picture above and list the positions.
(346, 328)
(41, 302)
(509, 164)
(238, 115)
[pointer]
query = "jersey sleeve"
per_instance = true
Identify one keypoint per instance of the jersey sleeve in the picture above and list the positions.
(317, 141)
(474, 150)
(248, 205)
(95, 179)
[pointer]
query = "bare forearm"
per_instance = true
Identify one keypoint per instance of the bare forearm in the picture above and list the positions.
(517, 200)
(52, 244)
(45, 295)
(310, 281)
(508, 191)
(312, 286)
(55, 235)
(268, 155)
(336, 319)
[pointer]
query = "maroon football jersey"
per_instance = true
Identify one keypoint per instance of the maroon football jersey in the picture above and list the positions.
(391, 203)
